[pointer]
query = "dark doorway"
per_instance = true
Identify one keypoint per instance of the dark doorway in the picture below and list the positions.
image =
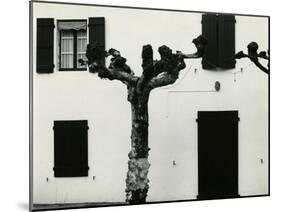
(217, 154)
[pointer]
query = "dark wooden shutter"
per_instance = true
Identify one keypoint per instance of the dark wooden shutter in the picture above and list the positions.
(97, 32)
(71, 148)
(209, 31)
(219, 29)
(226, 41)
(217, 154)
(45, 45)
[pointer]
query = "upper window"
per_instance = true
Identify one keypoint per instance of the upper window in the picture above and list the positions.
(72, 44)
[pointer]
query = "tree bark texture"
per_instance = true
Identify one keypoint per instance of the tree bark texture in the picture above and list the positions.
(138, 165)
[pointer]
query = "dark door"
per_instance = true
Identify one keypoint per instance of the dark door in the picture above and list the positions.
(217, 154)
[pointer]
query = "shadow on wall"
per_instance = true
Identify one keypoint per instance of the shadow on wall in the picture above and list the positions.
(23, 206)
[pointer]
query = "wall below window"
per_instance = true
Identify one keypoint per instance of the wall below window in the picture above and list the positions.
(173, 127)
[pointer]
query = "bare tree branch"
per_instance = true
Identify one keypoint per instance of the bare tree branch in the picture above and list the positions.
(162, 79)
(168, 68)
(166, 78)
(117, 70)
(113, 74)
(117, 61)
(254, 56)
(156, 73)
(200, 43)
(147, 66)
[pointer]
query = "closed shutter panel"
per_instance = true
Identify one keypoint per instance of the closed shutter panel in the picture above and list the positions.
(219, 30)
(97, 32)
(209, 31)
(226, 41)
(45, 45)
(71, 148)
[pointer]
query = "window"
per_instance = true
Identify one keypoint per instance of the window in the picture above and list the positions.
(71, 148)
(72, 44)
(219, 30)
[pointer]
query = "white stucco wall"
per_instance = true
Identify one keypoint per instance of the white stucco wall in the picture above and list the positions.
(173, 129)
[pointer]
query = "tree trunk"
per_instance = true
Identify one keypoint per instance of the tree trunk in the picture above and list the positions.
(138, 165)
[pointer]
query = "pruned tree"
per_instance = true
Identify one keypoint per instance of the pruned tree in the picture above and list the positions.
(155, 74)
(254, 56)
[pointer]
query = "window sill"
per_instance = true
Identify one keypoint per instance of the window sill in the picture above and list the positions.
(73, 69)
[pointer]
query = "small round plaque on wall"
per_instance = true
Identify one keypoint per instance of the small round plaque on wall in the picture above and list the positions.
(217, 86)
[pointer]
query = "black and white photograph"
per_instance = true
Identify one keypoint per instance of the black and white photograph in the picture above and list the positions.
(134, 105)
